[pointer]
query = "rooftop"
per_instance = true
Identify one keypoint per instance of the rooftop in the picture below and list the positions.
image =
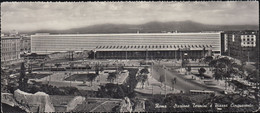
(151, 47)
(120, 34)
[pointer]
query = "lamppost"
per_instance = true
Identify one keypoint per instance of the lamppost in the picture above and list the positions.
(126, 54)
(175, 55)
(94, 54)
(247, 56)
(70, 80)
(152, 90)
(146, 57)
(165, 79)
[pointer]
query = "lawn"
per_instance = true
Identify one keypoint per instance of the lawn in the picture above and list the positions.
(78, 77)
(37, 76)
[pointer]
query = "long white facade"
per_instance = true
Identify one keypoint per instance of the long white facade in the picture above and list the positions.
(47, 43)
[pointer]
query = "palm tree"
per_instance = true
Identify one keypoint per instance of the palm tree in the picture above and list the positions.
(91, 77)
(173, 81)
(57, 65)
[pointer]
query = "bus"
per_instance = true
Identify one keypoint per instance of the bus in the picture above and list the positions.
(201, 92)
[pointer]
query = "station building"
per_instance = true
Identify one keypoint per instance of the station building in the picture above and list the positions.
(132, 45)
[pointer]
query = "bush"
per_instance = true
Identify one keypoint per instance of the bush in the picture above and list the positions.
(208, 59)
(52, 90)
(111, 91)
(202, 71)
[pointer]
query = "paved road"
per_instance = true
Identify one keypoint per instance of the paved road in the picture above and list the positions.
(182, 83)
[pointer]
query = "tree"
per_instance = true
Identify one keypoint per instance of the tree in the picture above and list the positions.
(57, 65)
(184, 63)
(144, 71)
(201, 71)
(173, 81)
(91, 77)
(111, 77)
(111, 91)
(142, 78)
(71, 65)
(88, 67)
(188, 69)
(101, 69)
(22, 79)
(208, 59)
(84, 81)
(97, 69)
(224, 68)
(42, 65)
(120, 68)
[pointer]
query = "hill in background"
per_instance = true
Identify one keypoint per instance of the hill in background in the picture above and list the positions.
(151, 27)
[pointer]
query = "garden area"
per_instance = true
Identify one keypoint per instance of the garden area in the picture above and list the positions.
(37, 75)
(81, 77)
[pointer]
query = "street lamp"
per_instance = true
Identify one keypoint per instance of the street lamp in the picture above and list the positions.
(165, 78)
(126, 54)
(146, 56)
(94, 54)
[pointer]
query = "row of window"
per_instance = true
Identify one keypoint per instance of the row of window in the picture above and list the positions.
(249, 43)
(8, 44)
(9, 49)
(252, 39)
(156, 46)
(248, 35)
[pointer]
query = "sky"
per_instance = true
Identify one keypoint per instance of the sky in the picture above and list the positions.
(31, 16)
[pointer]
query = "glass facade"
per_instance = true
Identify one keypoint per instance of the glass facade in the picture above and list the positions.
(45, 44)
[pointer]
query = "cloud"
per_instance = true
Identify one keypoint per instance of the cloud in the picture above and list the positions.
(64, 15)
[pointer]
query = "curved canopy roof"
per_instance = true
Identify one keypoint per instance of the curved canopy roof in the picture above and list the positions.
(151, 47)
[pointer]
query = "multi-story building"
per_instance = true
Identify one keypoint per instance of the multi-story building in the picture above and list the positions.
(156, 45)
(243, 45)
(25, 44)
(10, 48)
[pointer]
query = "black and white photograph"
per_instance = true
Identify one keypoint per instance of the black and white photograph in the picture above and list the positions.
(175, 56)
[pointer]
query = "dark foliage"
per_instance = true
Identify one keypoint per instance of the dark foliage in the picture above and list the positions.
(111, 77)
(111, 91)
(23, 79)
(202, 71)
(52, 90)
(144, 71)
(208, 59)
